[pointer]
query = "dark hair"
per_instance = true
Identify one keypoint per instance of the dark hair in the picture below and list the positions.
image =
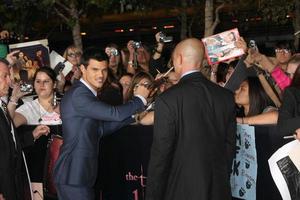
(120, 67)
(47, 70)
(233, 63)
(258, 98)
(93, 53)
(296, 78)
(295, 59)
(4, 61)
(285, 45)
(221, 72)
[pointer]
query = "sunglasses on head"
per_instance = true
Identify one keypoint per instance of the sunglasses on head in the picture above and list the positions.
(282, 50)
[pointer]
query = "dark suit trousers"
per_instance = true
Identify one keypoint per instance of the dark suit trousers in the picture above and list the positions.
(68, 192)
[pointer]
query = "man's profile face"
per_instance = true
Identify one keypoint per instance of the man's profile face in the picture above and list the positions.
(4, 79)
(95, 73)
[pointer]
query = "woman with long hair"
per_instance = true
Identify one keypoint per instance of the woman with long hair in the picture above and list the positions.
(255, 105)
(289, 112)
(141, 78)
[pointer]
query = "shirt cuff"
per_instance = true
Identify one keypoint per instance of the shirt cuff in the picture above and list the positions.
(143, 99)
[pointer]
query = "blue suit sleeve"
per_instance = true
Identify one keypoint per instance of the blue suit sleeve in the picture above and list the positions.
(111, 127)
(89, 106)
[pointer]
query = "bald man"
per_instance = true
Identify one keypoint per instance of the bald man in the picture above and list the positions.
(194, 134)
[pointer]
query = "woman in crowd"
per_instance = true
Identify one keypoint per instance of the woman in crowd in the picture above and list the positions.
(39, 111)
(73, 55)
(125, 82)
(255, 105)
(289, 112)
(145, 79)
(115, 63)
(141, 78)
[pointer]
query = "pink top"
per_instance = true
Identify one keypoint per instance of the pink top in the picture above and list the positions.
(281, 79)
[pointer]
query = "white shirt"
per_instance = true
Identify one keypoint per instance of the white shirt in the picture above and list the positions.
(35, 114)
(189, 72)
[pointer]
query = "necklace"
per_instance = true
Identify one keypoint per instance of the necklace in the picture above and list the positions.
(46, 111)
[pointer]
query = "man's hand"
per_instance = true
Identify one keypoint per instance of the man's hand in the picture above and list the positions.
(40, 130)
(140, 89)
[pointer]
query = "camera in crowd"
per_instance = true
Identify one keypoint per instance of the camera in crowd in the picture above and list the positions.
(252, 45)
(26, 87)
(59, 67)
(136, 45)
(163, 38)
(114, 52)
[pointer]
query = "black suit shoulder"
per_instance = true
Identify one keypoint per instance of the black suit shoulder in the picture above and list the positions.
(196, 80)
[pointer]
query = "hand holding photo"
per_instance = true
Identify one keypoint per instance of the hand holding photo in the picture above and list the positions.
(221, 47)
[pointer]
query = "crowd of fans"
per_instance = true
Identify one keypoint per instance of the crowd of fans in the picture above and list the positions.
(269, 93)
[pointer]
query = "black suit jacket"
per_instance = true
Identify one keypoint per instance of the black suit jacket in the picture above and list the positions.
(193, 143)
(13, 176)
(289, 112)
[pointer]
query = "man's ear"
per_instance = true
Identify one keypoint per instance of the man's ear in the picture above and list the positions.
(180, 59)
(82, 68)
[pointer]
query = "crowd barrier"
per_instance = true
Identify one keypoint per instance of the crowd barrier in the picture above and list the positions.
(125, 154)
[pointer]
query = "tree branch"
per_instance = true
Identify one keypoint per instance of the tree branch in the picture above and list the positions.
(80, 12)
(61, 15)
(217, 16)
(64, 7)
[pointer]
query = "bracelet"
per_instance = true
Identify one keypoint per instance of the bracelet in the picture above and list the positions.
(130, 63)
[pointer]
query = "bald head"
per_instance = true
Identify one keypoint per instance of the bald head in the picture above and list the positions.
(188, 55)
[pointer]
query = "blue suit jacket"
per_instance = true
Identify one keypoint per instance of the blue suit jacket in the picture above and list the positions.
(85, 120)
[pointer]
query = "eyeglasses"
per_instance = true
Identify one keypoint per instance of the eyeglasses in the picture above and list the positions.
(73, 55)
(282, 51)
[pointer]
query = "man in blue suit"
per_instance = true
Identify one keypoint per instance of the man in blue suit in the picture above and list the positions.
(85, 120)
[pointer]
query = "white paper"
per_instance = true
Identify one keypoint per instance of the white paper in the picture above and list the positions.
(55, 59)
(275, 170)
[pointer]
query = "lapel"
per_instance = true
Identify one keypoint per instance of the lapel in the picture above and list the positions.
(5, 119)
(83, 86)
(7, 130)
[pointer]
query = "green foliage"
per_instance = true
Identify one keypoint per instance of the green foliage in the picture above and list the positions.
(18, 15)
(276, 10)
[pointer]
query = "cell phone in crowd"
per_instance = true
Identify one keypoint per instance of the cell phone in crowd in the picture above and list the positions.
(253, 47)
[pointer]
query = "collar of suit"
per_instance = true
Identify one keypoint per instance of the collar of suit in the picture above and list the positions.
(192, 74)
